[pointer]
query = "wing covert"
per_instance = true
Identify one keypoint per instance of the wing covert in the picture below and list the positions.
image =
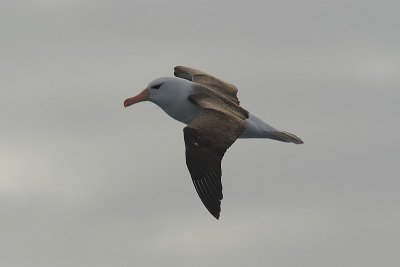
(206, 140)
(205, 79)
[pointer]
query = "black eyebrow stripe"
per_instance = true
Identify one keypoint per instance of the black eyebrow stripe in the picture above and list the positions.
(157, 86)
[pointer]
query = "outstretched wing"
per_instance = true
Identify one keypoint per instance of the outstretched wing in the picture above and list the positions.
(207, 138)
(213, 83)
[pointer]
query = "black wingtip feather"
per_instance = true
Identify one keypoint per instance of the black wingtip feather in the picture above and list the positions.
(213, 205)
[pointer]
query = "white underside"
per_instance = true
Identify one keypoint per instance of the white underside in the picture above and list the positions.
(256, 128)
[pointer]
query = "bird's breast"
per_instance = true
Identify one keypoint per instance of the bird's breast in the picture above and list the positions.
(183, 111)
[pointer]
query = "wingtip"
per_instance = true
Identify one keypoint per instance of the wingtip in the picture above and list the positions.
(216, 216)
(216, 213)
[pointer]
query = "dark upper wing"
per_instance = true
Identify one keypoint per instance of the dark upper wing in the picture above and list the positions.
(213, 83)
(207, 138)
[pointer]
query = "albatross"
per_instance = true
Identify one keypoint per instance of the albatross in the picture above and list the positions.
(210, 108)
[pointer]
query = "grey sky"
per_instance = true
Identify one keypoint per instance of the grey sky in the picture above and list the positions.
(85, 182)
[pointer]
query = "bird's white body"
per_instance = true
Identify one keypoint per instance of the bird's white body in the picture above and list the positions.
(173, 99)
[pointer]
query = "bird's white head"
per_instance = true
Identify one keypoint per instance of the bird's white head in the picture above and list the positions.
(160, 91)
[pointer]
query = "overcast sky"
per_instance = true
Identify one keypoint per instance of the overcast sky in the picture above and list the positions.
(86, 182)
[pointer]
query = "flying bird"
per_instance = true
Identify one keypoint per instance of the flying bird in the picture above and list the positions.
(210, 108)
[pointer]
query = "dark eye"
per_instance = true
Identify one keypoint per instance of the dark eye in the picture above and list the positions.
(156, 86)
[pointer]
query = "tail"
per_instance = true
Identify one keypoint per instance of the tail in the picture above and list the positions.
(256, 128)
(285, 137)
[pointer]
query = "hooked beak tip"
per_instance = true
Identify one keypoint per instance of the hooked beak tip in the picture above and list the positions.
(125, 103)
(142, 96)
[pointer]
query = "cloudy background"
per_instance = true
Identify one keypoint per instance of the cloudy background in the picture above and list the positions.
(85, 182)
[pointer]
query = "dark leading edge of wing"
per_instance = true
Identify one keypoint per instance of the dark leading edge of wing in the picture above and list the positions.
(203, 160)
(206, 139)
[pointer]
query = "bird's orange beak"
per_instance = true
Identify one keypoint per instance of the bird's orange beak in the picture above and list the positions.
(142, 96)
